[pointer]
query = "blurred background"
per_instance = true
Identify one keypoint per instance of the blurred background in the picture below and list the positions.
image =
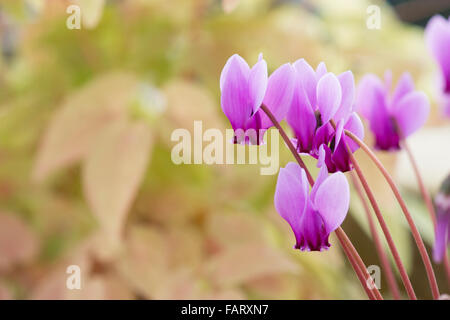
(86, 176)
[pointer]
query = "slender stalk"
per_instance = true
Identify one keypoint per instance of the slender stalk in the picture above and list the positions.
(403, 274)
(418, 239)
(360, 270)
(426, 197)
(384, 228)
(378, 245)
(348, 247)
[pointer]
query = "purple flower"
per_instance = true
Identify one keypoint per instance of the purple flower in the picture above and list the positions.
(320, 96)
(244, 89)
(314, 214)
(442, 202)
(437, 36)
(393, 115)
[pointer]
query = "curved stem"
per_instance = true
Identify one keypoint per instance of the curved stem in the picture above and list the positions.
(357, 264)
(418, 239)
(349, 249)
(403, 274)
(426, 197)
(387, 234)
(378, 245)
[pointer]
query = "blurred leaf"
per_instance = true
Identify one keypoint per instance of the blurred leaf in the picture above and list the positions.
(188, 101)
(242, 263)
(233, 229)
(275, 286)
(18, 244)
(144, 263)
(79, 120)
(112, 173)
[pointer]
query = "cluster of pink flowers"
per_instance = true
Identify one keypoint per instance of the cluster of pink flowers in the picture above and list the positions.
(319, 107)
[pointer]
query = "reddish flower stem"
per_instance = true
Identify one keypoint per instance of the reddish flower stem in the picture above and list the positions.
(418, 239)
(350, 251)
(403, 274)
(426, 197)
(378, 245)
(357, 264)
(387, 234)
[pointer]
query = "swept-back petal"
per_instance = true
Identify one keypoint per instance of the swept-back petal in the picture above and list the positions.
(411, 112)
(339, 132)
(301, 118)
(291, 195)
(321, 70)
(329, 96)
(257, 83)
(370, 92)
(279, 93)
(437, 36)
(307, 79)
(404, 86)
(235, 60)
(348, 95)
(332, 200)
(371, 102)
(354, 125)
(234, 86)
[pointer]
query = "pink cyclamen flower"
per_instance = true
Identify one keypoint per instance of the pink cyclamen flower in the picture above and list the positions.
(244, 89)
(437, 36)
(391, 116)
(320, 96)
(314, 214)
(442, 201)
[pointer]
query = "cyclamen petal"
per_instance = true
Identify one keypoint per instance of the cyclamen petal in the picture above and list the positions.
(332, 201)
(321, 70)
(235, 92)
(442, 234)
(442, 237)
(437, 36)
(279, 93)
(370, 93)
(411, 112)
(301, 119)
(313, 236)
(405, 85)
(329, 94)
(291, 195)
(307, 79)
(258, 84)
(354, 125)
(243, 90)
(391, 117)
(347, 83)
(312, 216)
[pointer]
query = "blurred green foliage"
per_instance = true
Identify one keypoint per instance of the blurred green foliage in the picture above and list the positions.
(85, 170)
